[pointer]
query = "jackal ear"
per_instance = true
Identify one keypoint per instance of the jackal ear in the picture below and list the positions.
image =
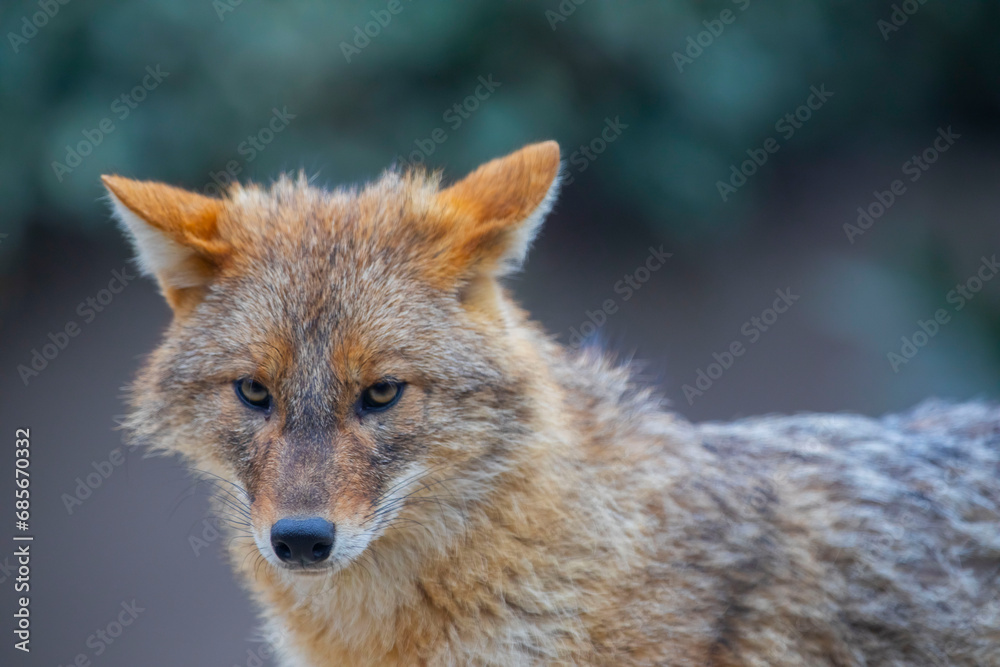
(174, 232)
(499, 208)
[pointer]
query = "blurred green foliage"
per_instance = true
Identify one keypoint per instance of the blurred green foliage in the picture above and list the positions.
(563, 69)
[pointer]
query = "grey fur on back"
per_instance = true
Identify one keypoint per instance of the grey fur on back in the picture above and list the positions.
(899, 517)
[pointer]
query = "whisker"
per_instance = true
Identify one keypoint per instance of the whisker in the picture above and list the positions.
(239, 509)
(242, 498)
(406, 480)
(414, 479)
(397, 502)
(230, 519)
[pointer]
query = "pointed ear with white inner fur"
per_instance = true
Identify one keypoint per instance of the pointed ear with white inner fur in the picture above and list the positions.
(498, 209)
(174, 232)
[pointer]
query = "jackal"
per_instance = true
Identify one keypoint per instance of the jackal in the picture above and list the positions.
(418, 475)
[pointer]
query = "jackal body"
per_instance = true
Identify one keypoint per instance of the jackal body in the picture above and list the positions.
(511, 502)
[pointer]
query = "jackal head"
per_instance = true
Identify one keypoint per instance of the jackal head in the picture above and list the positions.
(339, 358)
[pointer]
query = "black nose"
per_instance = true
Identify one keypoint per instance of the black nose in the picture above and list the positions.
(303, 541)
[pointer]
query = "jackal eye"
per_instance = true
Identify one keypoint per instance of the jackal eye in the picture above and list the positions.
(253, 393)
(381, 395)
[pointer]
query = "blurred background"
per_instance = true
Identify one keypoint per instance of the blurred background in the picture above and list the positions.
(823, 177)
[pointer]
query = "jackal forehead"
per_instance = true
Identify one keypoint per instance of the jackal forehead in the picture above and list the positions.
(320, 289)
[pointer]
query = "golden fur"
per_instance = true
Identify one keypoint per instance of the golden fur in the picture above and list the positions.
(523, 504)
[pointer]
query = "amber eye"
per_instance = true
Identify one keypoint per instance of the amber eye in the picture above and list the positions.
(253, 393)
(381, 395)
